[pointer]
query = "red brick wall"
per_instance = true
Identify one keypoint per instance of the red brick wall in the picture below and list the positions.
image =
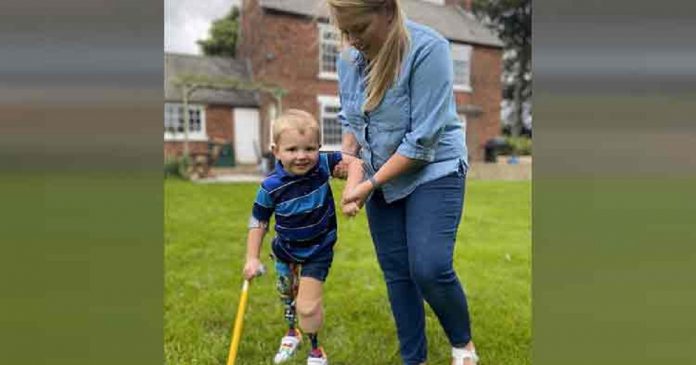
(486, 67)
(284, 49)
(219, 122)
(176, 148)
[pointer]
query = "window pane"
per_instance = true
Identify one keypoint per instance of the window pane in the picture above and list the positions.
(329, 49)
(331, 131)
(461, 72)
(331, 127)
(328, 57)
(329, 34)
(461, 55)
(174, 118)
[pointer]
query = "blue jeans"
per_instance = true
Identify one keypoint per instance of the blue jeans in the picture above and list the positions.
(414, 239)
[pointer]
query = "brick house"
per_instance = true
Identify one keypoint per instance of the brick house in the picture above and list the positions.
(290, 43)
(227, 117)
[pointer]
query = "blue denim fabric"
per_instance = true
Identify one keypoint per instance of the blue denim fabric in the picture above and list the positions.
(417, 116)
(414, 239)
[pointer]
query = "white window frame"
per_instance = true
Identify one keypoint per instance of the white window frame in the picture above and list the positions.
(462, 53)
(272, 114)
(438, 2)
(321, 28)
(328, 101)
(192, 136)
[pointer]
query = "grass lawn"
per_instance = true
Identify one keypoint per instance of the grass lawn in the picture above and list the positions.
(205, 235)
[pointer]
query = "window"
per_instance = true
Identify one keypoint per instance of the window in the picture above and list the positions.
(461, 63)
(438, 2)
(174, 122)
(329, 45)
(329, 106)
(271, 115)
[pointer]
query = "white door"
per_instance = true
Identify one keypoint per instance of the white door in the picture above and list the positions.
(471, 138)
(246, 136)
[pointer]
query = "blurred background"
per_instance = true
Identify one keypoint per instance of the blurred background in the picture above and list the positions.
(234, 64)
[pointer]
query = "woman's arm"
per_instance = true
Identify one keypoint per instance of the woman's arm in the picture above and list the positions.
(395, 166)
(349, 145)
(356, 174)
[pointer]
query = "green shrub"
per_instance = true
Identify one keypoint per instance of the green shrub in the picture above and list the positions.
(521, 146)
(178, 167)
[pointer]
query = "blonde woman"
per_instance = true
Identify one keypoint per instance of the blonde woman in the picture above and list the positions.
(399, 115)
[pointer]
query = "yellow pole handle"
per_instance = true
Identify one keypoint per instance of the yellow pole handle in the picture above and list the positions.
(239, 321)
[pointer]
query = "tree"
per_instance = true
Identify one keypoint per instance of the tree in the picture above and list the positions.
(222, 40)
(512, 21)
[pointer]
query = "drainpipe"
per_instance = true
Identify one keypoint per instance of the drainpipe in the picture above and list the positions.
(185, 95)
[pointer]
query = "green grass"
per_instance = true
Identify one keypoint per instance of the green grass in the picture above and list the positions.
(205, 233)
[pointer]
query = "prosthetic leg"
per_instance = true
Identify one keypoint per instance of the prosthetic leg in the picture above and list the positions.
(287, 284)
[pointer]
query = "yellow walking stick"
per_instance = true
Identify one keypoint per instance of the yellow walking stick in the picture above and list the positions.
(239, 320)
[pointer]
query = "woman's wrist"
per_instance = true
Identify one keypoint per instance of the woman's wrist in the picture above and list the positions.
(373, 183)
(364, 185)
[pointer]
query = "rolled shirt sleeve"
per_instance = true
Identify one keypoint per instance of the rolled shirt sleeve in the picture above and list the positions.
(431, 96)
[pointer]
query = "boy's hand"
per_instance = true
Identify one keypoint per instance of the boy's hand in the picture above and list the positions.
(252, 268)
(350, 209)
(340, 171)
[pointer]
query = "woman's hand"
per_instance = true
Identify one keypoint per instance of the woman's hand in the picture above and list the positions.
(357, 195)
(349, 209)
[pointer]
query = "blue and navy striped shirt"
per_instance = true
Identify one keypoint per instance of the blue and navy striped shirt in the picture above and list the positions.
(305, 214)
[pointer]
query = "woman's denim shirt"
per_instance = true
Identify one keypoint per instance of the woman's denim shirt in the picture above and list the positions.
(417, 116)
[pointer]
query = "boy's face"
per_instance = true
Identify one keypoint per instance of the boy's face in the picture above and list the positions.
(297, 152)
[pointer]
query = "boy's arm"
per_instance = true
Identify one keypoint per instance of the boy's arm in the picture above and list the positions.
(349, 150)
(253, 252)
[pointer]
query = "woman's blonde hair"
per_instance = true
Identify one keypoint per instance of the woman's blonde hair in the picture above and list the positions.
(295, 119)
(384, 69)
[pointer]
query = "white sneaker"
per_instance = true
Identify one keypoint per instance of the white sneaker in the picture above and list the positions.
(313, 359)
(459, 355)
(288, 347)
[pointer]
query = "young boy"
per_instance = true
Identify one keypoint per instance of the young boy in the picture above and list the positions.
(298, 192)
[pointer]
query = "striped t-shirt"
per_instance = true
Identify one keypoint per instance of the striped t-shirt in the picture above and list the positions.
(305, 214)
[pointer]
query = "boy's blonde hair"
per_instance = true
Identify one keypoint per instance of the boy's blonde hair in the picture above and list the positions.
(298, 120)
(384, 69)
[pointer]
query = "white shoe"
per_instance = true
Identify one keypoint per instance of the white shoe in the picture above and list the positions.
(459, 355)
(288, 346)
(316, 360)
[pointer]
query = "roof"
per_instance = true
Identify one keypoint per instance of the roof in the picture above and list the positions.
(183, 64)
(452, 22)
